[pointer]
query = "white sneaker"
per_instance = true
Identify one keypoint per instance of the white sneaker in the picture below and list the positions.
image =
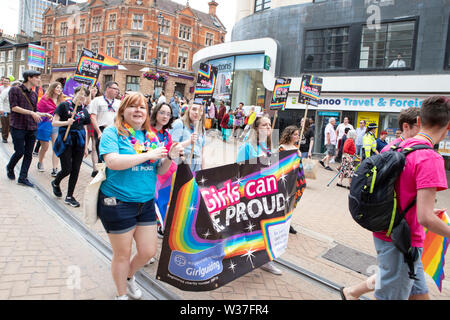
(124, 297)
(332, 161)
(40, 167)
(151, 261)
(270, 267)
(133, 290)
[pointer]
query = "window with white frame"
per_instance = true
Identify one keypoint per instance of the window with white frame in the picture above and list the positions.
(164, 28)
(10, 69)
(79, 50)
(63, 28)
(21, 70)
(82, 26)
(134, 50)
(209, 39)
(2, 70)
(163, 56)
(110, 45)
(2, 56)
(261, 5)
(184, 32)
(132, 83)
(49, 29)
(49, 46)
(138, 22)
(10, 55)
(22, 54)
(96, 24)
(112, 22)
(94, 47)
(183, 58)
(62, 55)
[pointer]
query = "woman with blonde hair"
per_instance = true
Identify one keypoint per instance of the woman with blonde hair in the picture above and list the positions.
(46, 132)
(189, 130)
(133, 156)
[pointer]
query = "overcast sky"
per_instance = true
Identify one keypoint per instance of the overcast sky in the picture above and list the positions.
(226, 11)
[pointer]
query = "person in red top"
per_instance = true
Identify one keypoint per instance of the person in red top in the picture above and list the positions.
(423, 176)
(46, 132)
(348, 159)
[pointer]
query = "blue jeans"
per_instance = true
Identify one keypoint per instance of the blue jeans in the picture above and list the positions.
(23, 141)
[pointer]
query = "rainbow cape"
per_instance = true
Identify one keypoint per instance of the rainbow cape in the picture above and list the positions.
(434, 250)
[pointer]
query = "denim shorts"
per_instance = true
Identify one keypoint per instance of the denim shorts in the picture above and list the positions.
(393, 282)
(120, 217)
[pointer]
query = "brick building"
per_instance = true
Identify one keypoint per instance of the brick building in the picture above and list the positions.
(128, 31)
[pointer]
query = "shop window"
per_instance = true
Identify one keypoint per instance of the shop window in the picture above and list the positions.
(388, 47)
(261, 5)
(132, 83)
(326, 49)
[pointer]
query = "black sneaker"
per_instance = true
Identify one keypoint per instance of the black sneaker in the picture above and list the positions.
(321, 162)
(72, 202)
(56, 190)
(292, 230)
(329, 168)
(25, 182)
(10, 174)
(94, 173)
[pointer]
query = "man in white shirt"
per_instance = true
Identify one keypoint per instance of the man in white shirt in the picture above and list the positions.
(162, 98)
(103, 110)
(360, 132)
(398, 63)
(5, 109)
(341, 128)
(330, 144)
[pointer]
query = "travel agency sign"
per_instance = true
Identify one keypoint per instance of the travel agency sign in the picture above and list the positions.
(360, 103)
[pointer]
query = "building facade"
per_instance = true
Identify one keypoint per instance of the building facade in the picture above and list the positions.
(376, 57)
(129, 30)
(14, 54)
(31, 14)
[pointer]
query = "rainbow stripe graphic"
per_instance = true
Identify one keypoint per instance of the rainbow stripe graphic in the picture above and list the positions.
(36, 56)
(109, 61)
(183, 236)
(434, 250)
(209, 75)
(279, 105)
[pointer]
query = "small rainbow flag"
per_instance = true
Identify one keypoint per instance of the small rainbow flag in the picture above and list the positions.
(36, 56)
(434, 250)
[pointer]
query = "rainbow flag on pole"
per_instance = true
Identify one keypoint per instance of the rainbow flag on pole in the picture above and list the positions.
(36, 56)
(434, 250)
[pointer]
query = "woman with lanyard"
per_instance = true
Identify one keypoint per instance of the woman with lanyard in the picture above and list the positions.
(259, 144)
(126, 208)
(190, 132)
(46, 132)
(369, 141)
(73, 116)
(289, 141)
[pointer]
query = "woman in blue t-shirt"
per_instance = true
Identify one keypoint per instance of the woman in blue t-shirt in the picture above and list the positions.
(133, 156)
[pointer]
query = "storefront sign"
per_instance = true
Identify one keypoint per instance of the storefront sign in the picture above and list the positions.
(361, 103)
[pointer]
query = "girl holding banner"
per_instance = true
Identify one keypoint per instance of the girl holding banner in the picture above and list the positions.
(259, 144)
(134, 156)
(70, 147)
(190, 132)
(46, 132)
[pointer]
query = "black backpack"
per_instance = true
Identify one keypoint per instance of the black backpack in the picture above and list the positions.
(373, 201)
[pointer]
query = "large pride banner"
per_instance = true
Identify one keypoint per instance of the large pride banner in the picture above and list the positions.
(224, 222)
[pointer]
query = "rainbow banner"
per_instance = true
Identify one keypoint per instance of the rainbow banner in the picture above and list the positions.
(225, 222)
(90, 65)
(310, 90)
(434, 250)
(280, 94)
(206, 82)
(36, 56)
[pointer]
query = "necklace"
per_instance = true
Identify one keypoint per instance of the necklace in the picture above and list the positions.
(424, 135)
(150, 141)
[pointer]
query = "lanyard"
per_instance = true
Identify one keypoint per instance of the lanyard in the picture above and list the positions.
(110, 104)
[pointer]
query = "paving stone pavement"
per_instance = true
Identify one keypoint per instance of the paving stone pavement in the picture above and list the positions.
(321, 219)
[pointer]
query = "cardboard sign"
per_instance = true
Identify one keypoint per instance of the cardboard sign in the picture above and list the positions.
(310, 90)
(206, 82)
(280, 94)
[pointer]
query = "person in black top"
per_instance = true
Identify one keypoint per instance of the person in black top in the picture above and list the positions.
(74, 148)
(307, 140)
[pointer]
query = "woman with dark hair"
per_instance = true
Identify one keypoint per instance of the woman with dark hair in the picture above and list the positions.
(160, 121)
(289, 141)
(73, 116)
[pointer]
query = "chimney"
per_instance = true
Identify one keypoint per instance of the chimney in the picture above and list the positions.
(212, 7)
